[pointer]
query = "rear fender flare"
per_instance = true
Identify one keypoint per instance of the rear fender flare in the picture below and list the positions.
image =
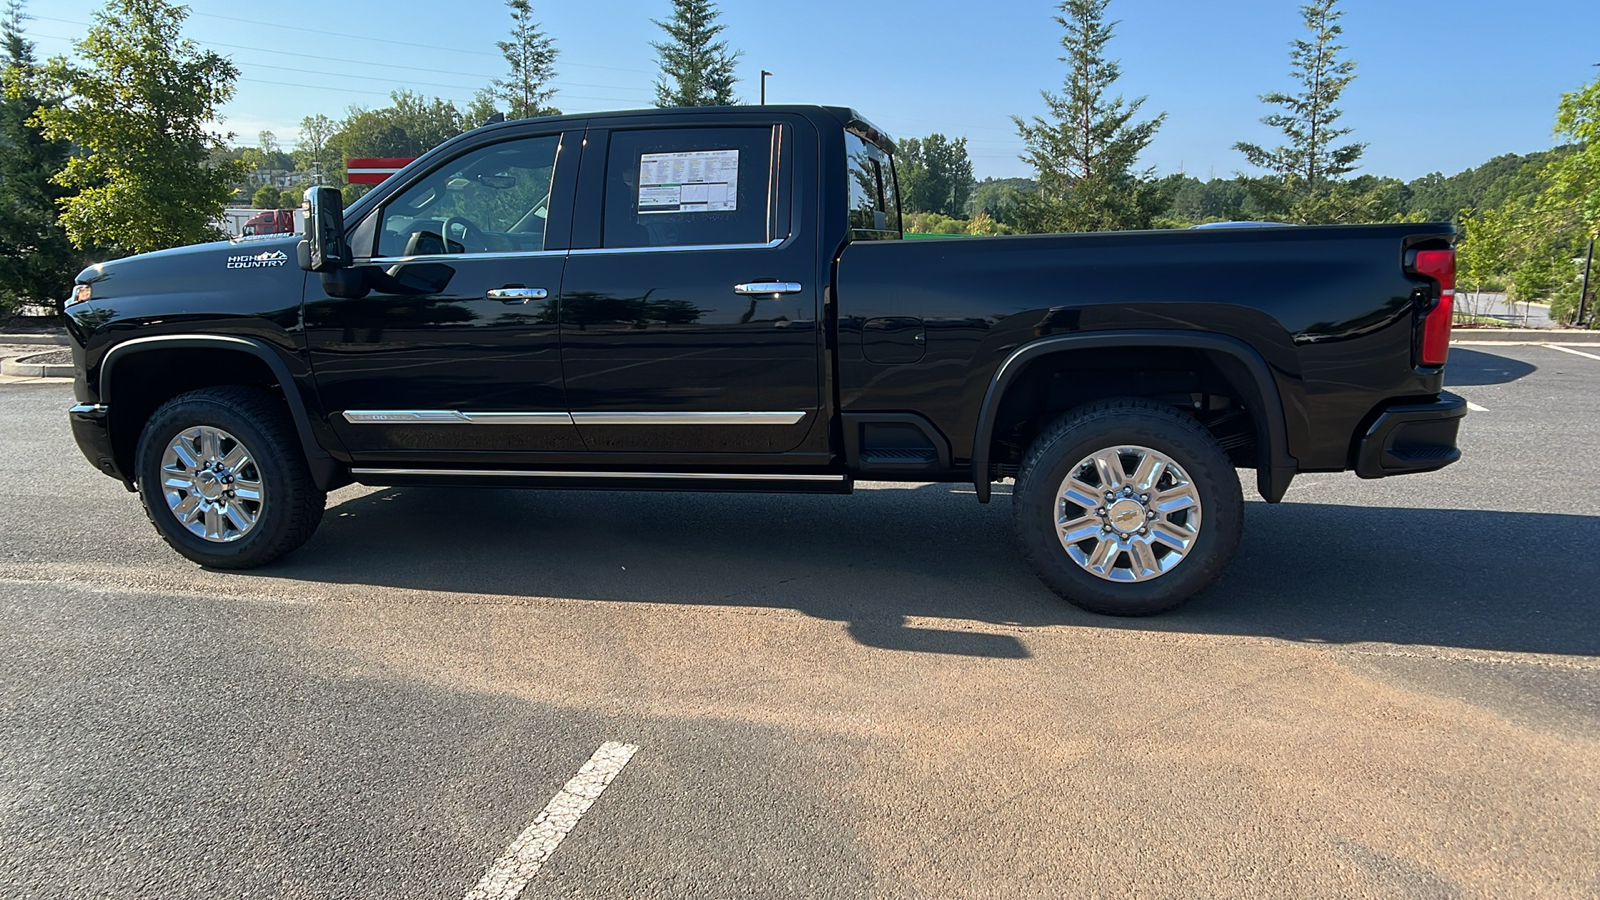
(1266, 403)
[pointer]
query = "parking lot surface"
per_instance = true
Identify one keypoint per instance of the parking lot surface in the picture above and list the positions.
(1394, 691)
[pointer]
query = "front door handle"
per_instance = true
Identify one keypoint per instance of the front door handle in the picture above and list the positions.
(517, 294)
(767, 287)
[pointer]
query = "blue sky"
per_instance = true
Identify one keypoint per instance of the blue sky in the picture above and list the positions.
(1441, 86)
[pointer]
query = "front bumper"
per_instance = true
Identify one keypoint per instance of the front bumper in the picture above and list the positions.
(1411, 437)
(90, 428)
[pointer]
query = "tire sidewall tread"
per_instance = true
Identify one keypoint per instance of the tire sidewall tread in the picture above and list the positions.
(1096, 426)
(294, 504)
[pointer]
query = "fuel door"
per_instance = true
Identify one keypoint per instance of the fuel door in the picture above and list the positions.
(893, 339)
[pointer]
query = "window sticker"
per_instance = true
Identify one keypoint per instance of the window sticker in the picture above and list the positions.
(696, 181)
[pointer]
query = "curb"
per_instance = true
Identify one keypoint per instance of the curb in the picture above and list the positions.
(21, 367)
(50, 339)
(1525, 335)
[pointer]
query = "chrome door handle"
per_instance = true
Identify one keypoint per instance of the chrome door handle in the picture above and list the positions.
(767, 287)
(517, 294)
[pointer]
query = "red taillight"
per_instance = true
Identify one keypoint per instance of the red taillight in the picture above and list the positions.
(1439, 265)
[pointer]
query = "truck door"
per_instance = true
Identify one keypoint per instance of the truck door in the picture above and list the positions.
(689, 312)
(452, 352)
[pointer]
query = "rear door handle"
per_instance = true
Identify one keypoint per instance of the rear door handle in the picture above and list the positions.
(767, 287)
(517, 294)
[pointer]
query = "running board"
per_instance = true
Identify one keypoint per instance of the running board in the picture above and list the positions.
(758, 482)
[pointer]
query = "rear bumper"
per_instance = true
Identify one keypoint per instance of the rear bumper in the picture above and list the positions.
(90, 428)
(1411, 437)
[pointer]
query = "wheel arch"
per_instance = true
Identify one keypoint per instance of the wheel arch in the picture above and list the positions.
(257, 364)
(1246, 372)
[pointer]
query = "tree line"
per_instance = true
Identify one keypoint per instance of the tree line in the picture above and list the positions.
(113, 152)
(1528, 222)
(110, 154)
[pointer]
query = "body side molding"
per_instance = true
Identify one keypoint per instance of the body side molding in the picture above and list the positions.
(457, 417)
(1273, 472)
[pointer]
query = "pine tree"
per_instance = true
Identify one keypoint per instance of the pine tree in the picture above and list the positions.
(532, 55)
(1085, 154)
(1306, 174)
(37, 261)
(696, 69)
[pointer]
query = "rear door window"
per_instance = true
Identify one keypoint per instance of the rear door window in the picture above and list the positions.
(690, 187)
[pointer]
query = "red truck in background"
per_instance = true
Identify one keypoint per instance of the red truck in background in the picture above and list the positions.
(270, 221)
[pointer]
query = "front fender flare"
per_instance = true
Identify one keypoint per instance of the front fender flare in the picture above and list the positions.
(326, 471)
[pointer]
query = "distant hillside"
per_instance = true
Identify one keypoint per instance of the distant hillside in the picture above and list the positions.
(1511, 176)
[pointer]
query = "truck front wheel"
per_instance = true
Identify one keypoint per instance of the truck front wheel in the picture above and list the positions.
(1127, 507)
(223, 478)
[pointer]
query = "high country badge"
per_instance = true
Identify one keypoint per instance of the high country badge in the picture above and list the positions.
(267, 259)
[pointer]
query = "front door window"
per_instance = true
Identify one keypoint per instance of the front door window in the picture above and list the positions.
(495, 199)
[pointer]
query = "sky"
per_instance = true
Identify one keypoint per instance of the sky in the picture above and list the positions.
(1441, 87)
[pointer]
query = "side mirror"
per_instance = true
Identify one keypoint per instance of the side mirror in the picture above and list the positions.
(325, 230)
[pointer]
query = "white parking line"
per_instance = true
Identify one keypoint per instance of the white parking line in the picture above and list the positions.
(1476, 408)
(1572, 351)
(512, 872)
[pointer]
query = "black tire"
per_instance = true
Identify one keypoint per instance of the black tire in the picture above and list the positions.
(1107, 424)
(291, 506)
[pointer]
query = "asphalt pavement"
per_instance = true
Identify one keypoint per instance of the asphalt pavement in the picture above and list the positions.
(1393, 692)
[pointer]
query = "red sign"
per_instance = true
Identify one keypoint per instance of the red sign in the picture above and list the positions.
(373, 169)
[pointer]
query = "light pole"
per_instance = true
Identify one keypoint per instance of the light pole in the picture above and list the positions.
(764, 75)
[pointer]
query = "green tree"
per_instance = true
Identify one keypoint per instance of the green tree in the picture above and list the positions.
(1085, 153)
(1482, 258)
(696, 68)
(266, 197)
(1572, 201)
(935, 175)
(37, 261)
(138, 108)
(1575, 177)
(1304, 173)
(531, 54)
(314, 156)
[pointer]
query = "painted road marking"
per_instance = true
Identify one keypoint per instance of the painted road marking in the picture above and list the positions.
(522, 860)
(1475, 407)
(1572, 351)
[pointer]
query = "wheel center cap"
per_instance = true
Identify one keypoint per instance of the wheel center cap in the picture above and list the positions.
(1126, 515)
(210, 486)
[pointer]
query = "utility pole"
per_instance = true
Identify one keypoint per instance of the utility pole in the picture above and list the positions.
(764, 75)
(1583, 292)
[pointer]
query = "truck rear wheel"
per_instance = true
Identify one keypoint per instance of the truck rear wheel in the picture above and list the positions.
(1127, 507)
(224, 480)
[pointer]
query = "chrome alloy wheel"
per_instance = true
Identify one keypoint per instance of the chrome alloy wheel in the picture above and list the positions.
(1127, 514)
(212, 485)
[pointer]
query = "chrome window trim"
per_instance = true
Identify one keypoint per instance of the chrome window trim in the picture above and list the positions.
(588, 251)
(457, 417)
(593, 251)
(675, 476)
(446, 257)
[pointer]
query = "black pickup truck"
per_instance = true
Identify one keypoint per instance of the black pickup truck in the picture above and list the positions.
(721, 299)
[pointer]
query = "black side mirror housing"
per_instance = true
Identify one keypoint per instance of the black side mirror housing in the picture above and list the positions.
(326, 248)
